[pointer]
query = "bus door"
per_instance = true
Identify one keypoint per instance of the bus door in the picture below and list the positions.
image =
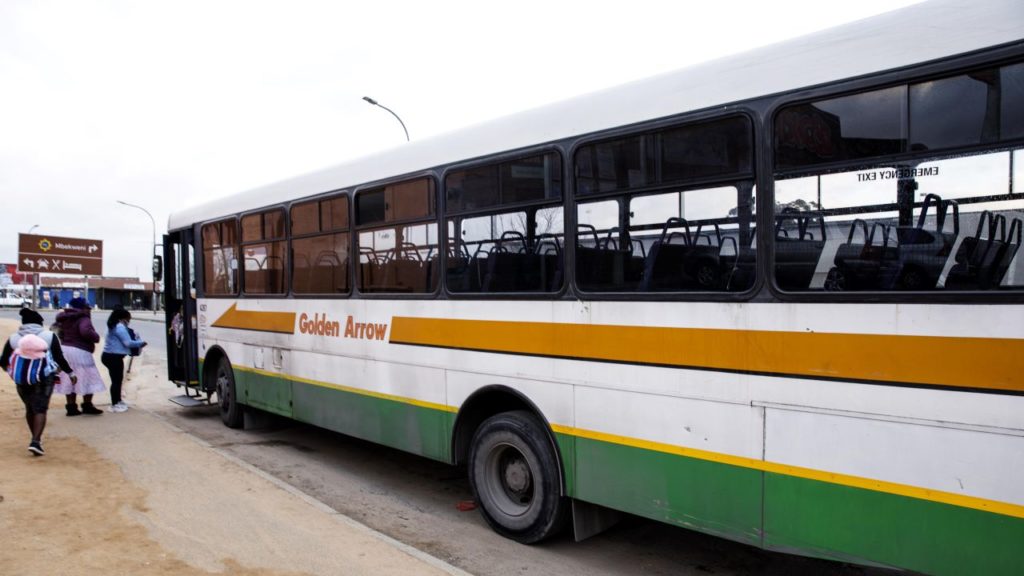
(180, 309)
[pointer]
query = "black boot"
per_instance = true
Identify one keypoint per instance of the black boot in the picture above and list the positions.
(72, 409)
(88, 408)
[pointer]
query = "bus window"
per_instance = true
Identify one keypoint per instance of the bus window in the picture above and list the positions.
(398, 246)
(263, 251)
(492, 248)
(220, 258)
(644, 222)
(320, 246)
(976, 108)
(842, 129)
(917, 221)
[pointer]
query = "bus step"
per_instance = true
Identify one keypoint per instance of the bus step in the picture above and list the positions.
(190, 401)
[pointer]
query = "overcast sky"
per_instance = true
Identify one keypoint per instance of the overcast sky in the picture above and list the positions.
(168, 104)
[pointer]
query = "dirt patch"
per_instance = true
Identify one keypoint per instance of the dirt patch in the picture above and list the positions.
(68, 512)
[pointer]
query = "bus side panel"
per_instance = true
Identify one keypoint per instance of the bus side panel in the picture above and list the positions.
(415, 429)
(661, 457)
(397, 405)
(263, 390)
(707, 496)
(904, 523)
(852, 524)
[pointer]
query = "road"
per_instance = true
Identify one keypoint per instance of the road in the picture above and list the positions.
(414, 500)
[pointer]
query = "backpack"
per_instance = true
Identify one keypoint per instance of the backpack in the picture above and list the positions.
(31, 362)
(30, 371)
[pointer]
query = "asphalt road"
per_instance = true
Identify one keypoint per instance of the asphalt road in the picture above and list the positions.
(414, 501)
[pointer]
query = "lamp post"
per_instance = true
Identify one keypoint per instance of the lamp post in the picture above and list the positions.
(375, 103)
(153, 222)
(35, 275)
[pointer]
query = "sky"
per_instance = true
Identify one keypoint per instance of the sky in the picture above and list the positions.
(170, 104)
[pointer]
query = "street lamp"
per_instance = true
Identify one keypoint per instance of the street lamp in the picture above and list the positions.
(375, 103)
(154, 241)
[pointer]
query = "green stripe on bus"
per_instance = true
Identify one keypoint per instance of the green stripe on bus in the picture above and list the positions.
(398, 424)
(711, 497)
(845, 523)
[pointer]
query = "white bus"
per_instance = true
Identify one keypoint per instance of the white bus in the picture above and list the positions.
(778, 298)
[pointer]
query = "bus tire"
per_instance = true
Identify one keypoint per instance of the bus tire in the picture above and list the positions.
(230, 410)
(513, 470)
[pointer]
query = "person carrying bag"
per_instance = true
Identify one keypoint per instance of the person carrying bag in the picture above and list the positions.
(32, 356)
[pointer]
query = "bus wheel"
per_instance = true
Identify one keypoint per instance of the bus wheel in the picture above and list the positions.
(230, 409)
(514, 474)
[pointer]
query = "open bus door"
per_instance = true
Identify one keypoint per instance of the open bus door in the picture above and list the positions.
(180, 317)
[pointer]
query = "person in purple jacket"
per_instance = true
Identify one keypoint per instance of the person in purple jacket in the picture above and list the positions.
(78, 341)
(118, 344)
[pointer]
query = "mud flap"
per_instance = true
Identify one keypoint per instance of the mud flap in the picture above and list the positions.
(591, 519)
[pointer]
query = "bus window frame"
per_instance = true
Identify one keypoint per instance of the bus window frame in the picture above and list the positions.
(925, 73)
(754, 176)
(286, 292)
(349, 231)
(201, 277)
(355, 228)
(497, 160)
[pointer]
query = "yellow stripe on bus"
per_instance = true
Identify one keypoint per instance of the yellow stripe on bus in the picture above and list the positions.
(984, 363)
(994, 506)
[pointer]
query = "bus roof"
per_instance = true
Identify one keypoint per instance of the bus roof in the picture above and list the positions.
(918, 33)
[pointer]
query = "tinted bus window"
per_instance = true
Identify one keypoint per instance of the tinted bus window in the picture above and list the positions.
(842, 129)
(680, 220)
(320, 246)
(263, 251)
(698, 151)
(220, 253)
(498, 248)
(398, 245)
(916, 222)
(977, 108)
(706, 150)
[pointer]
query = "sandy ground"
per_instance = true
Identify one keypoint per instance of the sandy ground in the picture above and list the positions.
(129, 494)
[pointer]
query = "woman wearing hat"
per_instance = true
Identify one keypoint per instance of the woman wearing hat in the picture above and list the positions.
(79, 341)
(32, 341)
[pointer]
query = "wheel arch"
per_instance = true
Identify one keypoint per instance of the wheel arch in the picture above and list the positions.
(488, 401)
(209, 374)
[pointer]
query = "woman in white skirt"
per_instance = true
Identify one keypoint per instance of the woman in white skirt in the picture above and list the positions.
(78, 341)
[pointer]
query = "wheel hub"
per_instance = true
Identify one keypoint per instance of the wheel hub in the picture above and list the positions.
(517, 476)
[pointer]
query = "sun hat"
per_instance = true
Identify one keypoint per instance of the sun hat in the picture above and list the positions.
(32, 347)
